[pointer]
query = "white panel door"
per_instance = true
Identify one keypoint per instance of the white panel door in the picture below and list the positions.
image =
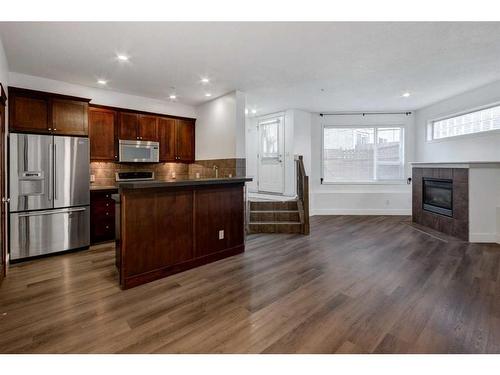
(270, 165)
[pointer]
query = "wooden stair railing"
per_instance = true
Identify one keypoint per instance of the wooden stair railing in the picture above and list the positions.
(302, 193)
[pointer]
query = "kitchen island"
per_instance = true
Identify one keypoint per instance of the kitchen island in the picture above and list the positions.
(167, 227)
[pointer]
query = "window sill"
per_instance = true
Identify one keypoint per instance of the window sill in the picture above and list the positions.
(395, 182)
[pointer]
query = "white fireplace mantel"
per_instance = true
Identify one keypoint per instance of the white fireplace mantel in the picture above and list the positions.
(456, 164)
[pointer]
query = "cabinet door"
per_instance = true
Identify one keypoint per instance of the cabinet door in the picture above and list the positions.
(69, 117)
(184, 134)
(166, 136)
(147, 128)
(128, 126)
(29, 114)
(102, 134)
(219, 212)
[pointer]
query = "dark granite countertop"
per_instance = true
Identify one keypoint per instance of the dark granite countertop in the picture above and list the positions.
(102, 187)
(189, 182)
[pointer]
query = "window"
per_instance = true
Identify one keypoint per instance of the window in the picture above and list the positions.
(469, 123)
(364, 154)
(269, 133)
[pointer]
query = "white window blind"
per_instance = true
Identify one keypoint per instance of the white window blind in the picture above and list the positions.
(364, 154)
(473, 122)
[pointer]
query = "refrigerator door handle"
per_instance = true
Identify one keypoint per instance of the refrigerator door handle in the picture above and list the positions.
(51, 181)
(52, 212)
(55, 172)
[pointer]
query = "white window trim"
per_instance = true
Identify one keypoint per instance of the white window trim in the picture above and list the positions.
(401, 181)
(429, 129)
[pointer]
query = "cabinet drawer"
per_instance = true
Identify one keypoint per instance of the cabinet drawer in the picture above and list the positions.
(102, 217)
(103, 209)
(103, 230)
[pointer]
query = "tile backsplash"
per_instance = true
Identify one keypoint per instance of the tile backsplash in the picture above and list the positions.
(104, 172)
(226, 167)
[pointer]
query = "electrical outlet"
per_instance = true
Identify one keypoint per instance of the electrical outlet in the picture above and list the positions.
(221, 234)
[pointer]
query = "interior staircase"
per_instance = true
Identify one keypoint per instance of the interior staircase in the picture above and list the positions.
(282, 216)
(274, 217)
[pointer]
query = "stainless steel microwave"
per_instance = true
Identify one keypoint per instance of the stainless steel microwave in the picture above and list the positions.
(138, 151)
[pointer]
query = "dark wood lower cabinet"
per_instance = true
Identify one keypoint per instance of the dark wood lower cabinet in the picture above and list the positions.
(168, 230)
(102, 216)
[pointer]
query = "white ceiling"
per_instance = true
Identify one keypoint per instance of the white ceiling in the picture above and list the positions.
(360, 66)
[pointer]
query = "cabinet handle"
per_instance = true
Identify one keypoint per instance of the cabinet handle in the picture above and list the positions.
(107, 226)
(55, 129)
(50, 128)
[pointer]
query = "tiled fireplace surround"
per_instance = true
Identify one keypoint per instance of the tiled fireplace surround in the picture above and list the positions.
(104, 172)
(458, 224)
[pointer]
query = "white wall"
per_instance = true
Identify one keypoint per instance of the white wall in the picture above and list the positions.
(4, 68)
(302, 137)
(101, 96)
(358, 199)
(476, 147)
(252, 149)
(220, 128)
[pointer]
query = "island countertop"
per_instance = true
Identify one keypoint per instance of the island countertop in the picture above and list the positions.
(182, 182)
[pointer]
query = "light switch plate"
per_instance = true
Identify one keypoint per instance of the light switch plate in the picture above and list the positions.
(92, 178)
(221, 234)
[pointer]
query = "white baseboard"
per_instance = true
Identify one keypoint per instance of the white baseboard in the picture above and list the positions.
(484, 237)
(359, 211)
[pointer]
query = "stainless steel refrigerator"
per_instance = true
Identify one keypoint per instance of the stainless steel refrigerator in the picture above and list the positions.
(49, 194)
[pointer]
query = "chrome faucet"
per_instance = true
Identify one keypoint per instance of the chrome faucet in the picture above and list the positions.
(216, 169)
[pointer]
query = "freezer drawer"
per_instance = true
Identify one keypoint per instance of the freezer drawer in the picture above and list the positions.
(44, 232)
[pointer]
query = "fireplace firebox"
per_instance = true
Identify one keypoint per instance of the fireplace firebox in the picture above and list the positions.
(438, 196)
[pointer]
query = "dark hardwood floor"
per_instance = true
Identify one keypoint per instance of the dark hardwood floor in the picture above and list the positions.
(355, 285)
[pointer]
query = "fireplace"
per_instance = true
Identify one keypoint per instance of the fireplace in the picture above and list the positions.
(437, 196)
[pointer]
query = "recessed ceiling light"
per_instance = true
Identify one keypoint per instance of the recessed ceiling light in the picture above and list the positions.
(208, 95)
(122, 57)
(406, 94)
(173, 96)
(102, 81)
(205, 80)
(254, 111)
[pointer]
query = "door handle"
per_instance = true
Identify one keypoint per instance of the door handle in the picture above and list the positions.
(51, 177)
(52, 212)
(55, 172)
(5, 200)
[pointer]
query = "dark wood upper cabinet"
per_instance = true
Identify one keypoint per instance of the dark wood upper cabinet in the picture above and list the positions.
(166, 137)
(41, 112)
(28, 113)
(46, 113)
(102, 134)
(69, 117)
(147, 128)
(184, 134)
(128, 126)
